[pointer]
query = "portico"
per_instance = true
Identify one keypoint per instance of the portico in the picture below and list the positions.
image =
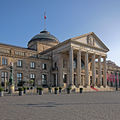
(89, 70)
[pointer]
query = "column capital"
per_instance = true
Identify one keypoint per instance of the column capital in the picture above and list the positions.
(71, 48)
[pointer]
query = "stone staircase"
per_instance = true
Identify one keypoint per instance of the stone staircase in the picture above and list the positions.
(85, 89)
(107, 88)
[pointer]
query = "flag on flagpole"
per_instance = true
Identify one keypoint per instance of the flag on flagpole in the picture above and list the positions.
(45, 15)
(45, 20)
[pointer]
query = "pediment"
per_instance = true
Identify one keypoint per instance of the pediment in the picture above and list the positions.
(92, 40)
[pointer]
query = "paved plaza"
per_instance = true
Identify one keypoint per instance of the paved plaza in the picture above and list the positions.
(86, 106)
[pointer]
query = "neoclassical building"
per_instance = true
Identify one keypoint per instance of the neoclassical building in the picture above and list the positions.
(113, 74)
(78, 61)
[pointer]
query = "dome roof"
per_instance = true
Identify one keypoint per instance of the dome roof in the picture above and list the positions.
(44, 36)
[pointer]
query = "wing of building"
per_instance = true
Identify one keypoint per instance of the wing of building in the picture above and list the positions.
(76, 62)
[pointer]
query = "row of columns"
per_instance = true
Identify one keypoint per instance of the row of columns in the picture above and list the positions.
(86, 82)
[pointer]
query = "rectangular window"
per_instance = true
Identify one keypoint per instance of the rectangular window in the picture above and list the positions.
(44, 66)
(19, 63)
(44, 79)
(32, 76)
(19, 53)
(4, 61)
(19, 77)
(65, 78)
(4, 51)
(32, 65)
(4, 78)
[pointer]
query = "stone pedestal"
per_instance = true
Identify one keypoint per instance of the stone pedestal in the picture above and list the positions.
(11, 89)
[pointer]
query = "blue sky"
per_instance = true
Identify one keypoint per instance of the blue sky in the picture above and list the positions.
(20, 20)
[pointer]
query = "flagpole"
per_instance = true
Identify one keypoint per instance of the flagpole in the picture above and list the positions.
(44, 20)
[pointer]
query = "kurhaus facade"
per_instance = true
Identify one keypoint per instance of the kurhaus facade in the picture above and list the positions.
(78, 61)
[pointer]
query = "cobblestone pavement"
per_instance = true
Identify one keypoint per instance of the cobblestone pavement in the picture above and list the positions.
(86, 106)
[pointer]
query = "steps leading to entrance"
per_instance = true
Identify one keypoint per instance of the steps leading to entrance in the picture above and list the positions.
(105, 88)
(97, 89)
(85, 89)
(94, 89)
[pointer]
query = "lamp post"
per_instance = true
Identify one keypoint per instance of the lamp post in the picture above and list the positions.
(11, 82)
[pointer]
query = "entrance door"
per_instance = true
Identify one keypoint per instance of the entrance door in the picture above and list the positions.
(75, 80)
(55, 80)
(90, 80)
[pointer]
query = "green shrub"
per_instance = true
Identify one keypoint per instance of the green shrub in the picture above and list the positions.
(56, 88)
(40, 88)
(20, 89)
(60, 88)
(1, 89)
(25, 88)
(69, 88)
(49, 88)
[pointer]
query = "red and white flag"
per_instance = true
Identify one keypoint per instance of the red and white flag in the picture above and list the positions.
(45, 15)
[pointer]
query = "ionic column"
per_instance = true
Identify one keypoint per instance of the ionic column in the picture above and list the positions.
(71, 69)
(60, 74)
(86, 70)
(99, 71)
(104, 72)
(79, 67)
(93, 70)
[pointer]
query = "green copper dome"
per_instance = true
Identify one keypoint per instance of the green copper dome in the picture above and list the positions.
(44, 36)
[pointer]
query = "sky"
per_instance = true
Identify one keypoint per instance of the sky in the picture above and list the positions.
(20, 20)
